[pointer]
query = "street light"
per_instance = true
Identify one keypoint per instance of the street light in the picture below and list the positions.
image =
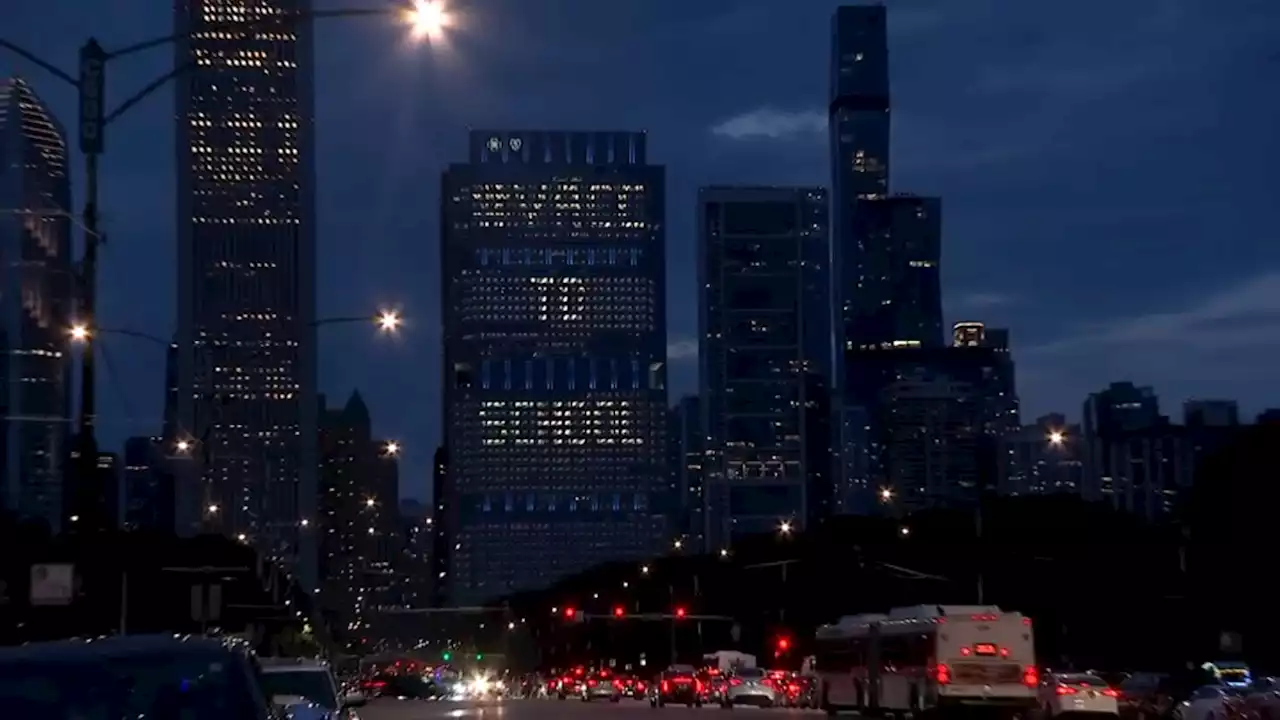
(391, 449)
(79, 333)
(1056, 438)
(428, 19)
(785, 527)
(182, 446)
(886, 495)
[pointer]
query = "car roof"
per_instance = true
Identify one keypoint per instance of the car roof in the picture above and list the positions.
(119, 647)
(280, 668)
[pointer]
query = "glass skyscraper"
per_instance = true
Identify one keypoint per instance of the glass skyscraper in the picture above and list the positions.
(765, 349)
(246, 274)
(553, 266)
(36, 305)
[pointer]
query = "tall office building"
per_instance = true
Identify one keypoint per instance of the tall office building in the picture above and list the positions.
(859, 137)
(555, 357)
(764, 348)
(35, 307)
(246, 274)
(686, 443)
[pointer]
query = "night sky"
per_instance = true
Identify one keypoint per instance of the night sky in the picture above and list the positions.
(1107, 170)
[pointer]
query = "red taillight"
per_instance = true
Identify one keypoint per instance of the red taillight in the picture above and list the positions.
(617, 684)
(735, 682)
(1004, 652)
(1064, 690)
(640, 686)
(665, 686)
(591, 683)
(1030, 676)
(697, 686)
(1109, 692)
(965, 652)
(942, 674)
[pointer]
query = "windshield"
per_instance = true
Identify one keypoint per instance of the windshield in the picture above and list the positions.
(313, 685)
(199, 686)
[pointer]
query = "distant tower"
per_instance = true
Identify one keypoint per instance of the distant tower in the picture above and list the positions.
(36, 306)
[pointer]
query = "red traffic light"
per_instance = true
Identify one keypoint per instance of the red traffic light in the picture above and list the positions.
(570, 612)
(680, 612)
(619, 611)
(784, 644)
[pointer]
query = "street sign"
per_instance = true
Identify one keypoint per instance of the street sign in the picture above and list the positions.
(93, 81)
(52, 584)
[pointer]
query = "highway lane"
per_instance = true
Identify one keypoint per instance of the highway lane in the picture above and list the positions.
(390, 709)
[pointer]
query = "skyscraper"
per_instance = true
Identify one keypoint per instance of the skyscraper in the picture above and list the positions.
(859, 137)
(36, 306)
(555, 357)
(764, 349)
(246, 273)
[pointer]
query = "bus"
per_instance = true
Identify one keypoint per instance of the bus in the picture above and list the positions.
(927, 660)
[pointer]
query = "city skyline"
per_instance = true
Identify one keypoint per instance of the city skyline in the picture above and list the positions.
(1004, 210)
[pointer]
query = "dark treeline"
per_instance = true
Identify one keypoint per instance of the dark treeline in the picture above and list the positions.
(1105, 589)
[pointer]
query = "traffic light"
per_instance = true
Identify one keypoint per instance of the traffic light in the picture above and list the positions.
(447, 656)
(619, 611)
(569, 612)
(784, 644)
(680, 611)
(479, 657)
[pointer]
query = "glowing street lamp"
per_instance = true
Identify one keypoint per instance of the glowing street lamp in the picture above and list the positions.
(427, 19)
(886, 494)
(785, 527)
(391, 449)
(182, 446)
(1056, 438)
(79, 333)
(389, 321)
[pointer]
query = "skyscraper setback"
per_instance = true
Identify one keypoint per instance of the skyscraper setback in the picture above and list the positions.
(555, 357)
(246, 273)
(36, 305)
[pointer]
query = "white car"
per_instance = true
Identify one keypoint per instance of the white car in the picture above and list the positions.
(750, 686)
(1064, 694)
(301, 683)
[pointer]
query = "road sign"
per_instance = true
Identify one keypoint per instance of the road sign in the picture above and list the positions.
(53, 584)
(93, 87)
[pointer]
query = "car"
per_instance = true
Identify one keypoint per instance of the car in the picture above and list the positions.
(1215, 702)
(154, 676)
(599, 685)
(636, 689)
(678, 685)
(751, 686)
(1070, 694)
(311, 682)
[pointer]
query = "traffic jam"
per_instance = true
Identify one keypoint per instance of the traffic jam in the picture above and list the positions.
(688, 686)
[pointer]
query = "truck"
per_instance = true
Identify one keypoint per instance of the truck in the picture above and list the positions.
(728, 660)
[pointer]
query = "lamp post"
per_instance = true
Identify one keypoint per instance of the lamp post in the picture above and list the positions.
(427, 19)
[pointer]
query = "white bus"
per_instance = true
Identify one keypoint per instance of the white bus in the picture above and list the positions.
(928, 659)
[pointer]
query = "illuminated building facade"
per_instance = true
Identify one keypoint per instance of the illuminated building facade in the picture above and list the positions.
(35, 307)
(246, 275)
(764, 352)
(555, 357)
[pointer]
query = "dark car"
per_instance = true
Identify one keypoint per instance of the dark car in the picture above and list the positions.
(403, 686)
(679, 685)
(600, 685)
(160, 676)
(632, 687)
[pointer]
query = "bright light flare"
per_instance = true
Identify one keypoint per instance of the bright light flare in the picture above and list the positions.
(785, 527)
(389, 321)
(391, 449)
(182, 446)
(79, 333)
(1056, 438)
(428, 19)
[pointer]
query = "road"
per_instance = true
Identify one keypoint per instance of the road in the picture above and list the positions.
(388, 709)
